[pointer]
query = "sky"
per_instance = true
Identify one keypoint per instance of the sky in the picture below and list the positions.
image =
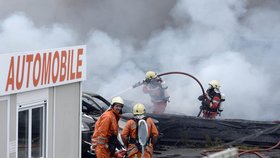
(233, 41)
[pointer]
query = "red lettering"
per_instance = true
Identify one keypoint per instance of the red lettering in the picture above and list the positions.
(79, 63)
(36, 78)
(19, 82)
(10, 79)
(29, 59)
(63, 66)
(68, 65)
(46, 68)
(55, 59)
(72, 75)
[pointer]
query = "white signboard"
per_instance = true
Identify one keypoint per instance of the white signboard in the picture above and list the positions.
(32, 70)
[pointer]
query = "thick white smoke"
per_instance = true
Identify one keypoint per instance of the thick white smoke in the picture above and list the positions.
(233, 41)
(18, 33)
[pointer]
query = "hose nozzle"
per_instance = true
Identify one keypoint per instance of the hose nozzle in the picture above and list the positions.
(138, 84)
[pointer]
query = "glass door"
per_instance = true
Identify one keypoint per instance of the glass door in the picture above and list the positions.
(31, 131)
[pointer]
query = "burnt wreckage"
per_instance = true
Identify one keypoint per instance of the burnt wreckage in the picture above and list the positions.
(181, 130)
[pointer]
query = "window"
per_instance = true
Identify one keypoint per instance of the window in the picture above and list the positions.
(31, 130)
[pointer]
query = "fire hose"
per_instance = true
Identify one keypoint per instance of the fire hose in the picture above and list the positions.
(186, 74)
(253, 151)
(242, 152)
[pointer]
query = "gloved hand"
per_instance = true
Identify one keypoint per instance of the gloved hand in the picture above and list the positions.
(92, 148)
(205, 104)
(139, 147)
(200, 98)
(220, 109)
(112, 144)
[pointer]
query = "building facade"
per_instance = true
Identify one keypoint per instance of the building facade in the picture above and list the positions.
(40, 103)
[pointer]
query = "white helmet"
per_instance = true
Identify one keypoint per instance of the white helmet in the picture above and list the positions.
(215, 84)
(117, 100)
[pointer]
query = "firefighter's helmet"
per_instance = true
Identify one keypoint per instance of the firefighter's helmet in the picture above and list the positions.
(150, 75)
(139, 109)
(118, 100)
(215, 84)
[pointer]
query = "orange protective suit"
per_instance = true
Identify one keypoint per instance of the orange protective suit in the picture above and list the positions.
(130, 132)
(106, 126)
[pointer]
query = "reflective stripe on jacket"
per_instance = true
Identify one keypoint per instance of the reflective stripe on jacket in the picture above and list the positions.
(106, 125)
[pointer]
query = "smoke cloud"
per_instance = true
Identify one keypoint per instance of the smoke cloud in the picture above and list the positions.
(233, 41)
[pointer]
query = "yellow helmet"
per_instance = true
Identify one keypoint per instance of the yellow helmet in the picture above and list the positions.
(117, 100)
(215, 84)
(150, 75)
(138, 109)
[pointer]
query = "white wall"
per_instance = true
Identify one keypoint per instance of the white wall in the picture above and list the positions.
(63, 120)
(4, 125)
(67, 121)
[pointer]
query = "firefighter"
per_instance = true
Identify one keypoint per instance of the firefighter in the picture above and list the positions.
(211, 105)
(104, 138)
(130, 134)
(157, 89)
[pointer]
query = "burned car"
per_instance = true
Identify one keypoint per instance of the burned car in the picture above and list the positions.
(93, 105)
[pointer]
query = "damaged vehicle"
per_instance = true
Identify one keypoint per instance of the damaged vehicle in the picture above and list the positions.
(93, 105)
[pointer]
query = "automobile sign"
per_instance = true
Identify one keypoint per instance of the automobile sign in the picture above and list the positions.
(31, 70)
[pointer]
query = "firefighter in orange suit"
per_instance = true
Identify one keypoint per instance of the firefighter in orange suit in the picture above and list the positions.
(157, 89)
(212, 105)
(104, 139)
(130, 138)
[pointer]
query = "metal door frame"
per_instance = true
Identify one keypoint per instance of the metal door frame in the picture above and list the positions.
(29, 107)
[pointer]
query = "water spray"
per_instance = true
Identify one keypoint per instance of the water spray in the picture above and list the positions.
(121, 92)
